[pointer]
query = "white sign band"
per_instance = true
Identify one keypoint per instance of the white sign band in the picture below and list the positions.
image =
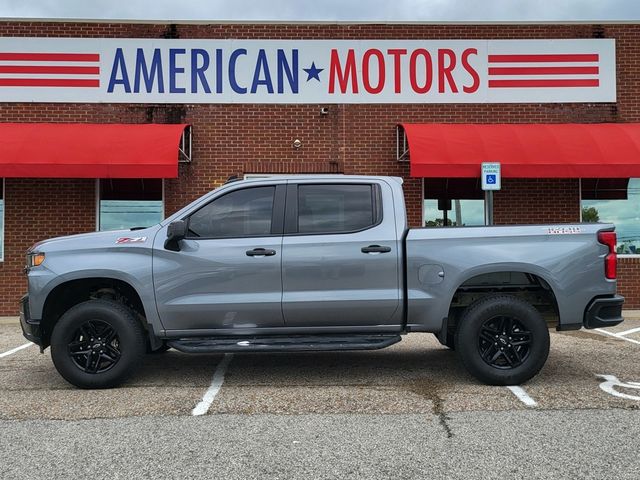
(306, 71)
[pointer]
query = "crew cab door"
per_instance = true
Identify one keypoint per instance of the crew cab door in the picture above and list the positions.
(340, 255)
(227, 274)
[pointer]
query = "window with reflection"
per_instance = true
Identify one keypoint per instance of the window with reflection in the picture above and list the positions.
(453, 202)
(241, 213)
(617, 201)
(335, 208)
(128, 203)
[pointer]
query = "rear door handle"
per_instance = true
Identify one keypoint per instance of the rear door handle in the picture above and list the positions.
(261, 252)
(375, 249)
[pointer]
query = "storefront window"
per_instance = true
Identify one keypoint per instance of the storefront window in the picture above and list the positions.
(127, 203)
(1, 219)
(617, 201)
(454, 202)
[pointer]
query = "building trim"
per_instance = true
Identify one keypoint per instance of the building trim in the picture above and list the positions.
(318, 22)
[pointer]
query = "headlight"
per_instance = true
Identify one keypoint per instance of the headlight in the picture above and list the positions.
(34, 259)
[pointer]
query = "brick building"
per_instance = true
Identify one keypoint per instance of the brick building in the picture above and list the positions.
(354, 136)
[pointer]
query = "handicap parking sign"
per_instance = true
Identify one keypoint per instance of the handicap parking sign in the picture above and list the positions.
(490, 176)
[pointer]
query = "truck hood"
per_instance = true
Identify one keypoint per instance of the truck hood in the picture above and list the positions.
(84, 241)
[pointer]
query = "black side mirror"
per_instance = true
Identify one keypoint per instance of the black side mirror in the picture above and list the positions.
(177, 231)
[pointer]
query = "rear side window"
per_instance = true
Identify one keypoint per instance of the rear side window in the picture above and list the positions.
(336, 208)
(241, 213)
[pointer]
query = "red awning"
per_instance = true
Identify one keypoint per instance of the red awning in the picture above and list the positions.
(606, 150)
(83, 150)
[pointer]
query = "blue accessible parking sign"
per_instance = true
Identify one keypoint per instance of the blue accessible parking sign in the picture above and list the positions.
(490, 176)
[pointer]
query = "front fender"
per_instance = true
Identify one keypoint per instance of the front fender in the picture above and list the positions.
(133, 269)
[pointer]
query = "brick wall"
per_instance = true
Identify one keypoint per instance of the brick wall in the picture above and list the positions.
(543, 200)
(36, 209)
(237, 139)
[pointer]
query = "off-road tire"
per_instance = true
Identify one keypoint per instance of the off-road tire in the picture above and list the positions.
(472, 334)
(128, 341)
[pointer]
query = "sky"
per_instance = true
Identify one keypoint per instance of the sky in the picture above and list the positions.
(328, 10)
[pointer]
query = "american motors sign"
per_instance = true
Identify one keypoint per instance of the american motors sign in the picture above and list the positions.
(306, 71)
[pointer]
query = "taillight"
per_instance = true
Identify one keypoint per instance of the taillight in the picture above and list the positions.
(611, 260)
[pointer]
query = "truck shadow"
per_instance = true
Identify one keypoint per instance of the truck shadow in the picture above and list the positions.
(362, 368)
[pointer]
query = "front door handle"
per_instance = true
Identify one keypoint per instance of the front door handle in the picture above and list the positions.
(261, 252)
(375, 249)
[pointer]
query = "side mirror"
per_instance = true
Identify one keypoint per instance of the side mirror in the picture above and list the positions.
(175, 232)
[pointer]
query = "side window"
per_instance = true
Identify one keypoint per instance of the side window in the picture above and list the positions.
(126, 203)
(241, 213)
(335, 208)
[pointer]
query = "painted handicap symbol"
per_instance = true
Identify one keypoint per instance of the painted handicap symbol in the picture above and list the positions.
(612, 381)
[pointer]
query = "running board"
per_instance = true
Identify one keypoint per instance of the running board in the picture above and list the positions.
(295, 343)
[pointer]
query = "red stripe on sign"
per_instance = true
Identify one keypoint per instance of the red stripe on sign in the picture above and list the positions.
(571, 57)
(48, 82)
(50, 57)
(543, 70)
(48, 69)
(543, 83)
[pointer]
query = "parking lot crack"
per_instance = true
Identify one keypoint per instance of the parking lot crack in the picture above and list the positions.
(432, 392)
(442, 416)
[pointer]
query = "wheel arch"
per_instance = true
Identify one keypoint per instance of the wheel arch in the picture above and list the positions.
(71, 292)
(533, 285)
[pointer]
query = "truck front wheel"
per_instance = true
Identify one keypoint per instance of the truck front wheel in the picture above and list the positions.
(502, 340)
(97, 344)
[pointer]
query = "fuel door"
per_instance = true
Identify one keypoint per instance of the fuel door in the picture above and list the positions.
(430, 274)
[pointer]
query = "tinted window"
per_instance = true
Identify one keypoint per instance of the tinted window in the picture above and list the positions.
(241, 213)
(335, 208)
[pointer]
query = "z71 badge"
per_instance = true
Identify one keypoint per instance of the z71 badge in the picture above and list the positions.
(131, 240)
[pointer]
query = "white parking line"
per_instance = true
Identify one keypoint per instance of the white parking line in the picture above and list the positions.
(629, 332)
(523, 396)
(617, 335)
(14, 350)
(216, 384)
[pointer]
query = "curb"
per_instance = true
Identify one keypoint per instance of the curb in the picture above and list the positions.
(631, 314)
(9, 320)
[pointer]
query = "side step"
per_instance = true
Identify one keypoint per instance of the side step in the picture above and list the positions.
(294, 343)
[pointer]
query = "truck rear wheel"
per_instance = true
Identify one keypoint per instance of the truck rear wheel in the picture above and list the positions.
(502, 340)
(97, 344)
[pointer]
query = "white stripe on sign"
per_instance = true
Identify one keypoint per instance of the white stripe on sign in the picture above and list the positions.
(523, 396)
(14, 350)
(216, 384)
(629, 332)
(617, 336)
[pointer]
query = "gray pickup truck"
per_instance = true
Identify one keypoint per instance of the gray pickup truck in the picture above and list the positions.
(314, 263)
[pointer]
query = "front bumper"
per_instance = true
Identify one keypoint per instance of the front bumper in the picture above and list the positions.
(30, 328)
(604, 312)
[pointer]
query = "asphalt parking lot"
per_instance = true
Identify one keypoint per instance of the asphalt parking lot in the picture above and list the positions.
(591, 382)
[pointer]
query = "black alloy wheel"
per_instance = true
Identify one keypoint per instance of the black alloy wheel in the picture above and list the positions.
(95, 347)
(503, 342)
(98, 344)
